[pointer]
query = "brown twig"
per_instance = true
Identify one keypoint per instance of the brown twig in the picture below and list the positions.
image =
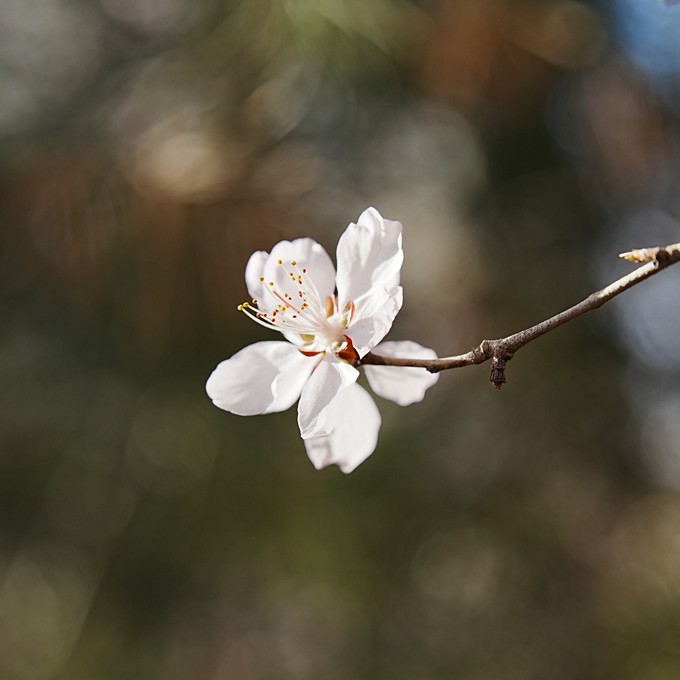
(502, 350)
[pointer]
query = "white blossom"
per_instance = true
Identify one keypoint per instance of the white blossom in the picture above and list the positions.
(329, 322)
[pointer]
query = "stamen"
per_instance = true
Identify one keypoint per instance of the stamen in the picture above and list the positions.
(279, 324)
(313, 318)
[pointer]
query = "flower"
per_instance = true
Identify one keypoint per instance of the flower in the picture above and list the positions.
(329, 322)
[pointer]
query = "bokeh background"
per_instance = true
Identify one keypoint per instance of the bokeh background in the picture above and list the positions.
(147, 147)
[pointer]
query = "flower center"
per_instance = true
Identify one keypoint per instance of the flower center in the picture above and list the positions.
(298, 310)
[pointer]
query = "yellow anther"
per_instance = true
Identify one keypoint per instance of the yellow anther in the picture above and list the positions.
(261, 278)
(240, 308)
(271, 283)
(280, 261)
(329, 307)
(293, 262)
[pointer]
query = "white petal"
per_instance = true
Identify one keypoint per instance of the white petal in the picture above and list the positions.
(288, 385)
(330, 378)
(401, 385)
(373, 318)
(261, 378)
(369, 255)
(254, 270)
(356, 423)
(308, 255)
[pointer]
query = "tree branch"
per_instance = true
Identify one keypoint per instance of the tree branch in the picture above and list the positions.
(500, 351)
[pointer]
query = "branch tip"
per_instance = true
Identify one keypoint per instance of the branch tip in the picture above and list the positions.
(641, 255)
(661, 254)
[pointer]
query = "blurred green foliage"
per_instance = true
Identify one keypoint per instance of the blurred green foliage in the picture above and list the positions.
(146, 149)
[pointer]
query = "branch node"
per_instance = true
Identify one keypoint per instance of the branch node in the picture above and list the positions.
(497, 376)
(663, 256)
(482, 352)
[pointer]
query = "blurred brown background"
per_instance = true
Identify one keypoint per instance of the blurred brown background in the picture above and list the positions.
(147, 147)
